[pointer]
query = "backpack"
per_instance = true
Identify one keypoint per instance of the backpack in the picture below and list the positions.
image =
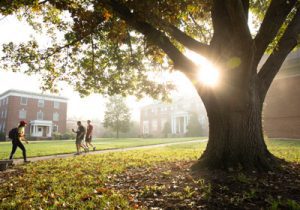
(13, 133)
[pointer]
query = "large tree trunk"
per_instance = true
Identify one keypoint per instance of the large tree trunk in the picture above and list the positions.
(236, 137)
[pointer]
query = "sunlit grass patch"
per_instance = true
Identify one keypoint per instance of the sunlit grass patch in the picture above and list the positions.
(284, 148)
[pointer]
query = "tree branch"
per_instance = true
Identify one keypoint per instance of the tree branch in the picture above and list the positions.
(183, 38)
(288, 41)
(188, 41)
(238, 18)
(246, 4)
(200, 28)
(274, 18)
(155, 36)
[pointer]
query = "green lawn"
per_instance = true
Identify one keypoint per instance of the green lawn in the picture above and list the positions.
(82, 182)
(285, 148)
(42, 148)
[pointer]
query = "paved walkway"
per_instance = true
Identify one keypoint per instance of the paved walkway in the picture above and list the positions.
(34, 159)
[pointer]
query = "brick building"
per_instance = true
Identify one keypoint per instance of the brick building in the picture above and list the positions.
(43, 113)
(154, 117)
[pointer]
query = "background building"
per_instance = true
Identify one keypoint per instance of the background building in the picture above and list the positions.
(43, 113)
(282, 105)
(174, 118)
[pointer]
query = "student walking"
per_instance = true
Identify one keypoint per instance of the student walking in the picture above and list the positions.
(17, 135)
(88, 136)
(80, 132)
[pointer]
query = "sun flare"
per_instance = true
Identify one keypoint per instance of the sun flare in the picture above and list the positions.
(208, 74)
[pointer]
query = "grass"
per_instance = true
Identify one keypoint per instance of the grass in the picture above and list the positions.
(43, 148)
(81, 182)
(285, 148)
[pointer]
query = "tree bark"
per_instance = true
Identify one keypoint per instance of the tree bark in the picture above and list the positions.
(236, 137)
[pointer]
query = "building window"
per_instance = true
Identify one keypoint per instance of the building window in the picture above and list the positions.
(0, 127)
(41, 103)
(23, 101)
(7, 100)
(55, 116)
(22, 114)
(3, 127)
(56, 104)
(5, 113)
(40, 115)
(55, 128)
(2, 114)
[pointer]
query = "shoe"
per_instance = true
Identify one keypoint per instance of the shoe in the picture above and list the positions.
(77, 153)
(27, 161)
(94, 148)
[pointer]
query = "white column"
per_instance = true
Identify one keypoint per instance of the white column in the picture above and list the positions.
(184, 124)
(34, 129)
(50, 131)
(172, 124)
(175, 125)
(179, 126)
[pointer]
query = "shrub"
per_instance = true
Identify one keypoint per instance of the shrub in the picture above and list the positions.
(64, 136)
(56, 135)
(68, 135)
(2, 136)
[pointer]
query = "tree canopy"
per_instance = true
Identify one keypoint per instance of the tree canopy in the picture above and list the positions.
(109, 46)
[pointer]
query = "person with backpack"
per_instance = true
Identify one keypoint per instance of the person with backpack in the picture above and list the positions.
(17, 135)
(80, 132)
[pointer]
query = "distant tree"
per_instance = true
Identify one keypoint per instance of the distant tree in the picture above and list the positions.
(117, 115)
(167, 129)
(194, 127)
(133, 131)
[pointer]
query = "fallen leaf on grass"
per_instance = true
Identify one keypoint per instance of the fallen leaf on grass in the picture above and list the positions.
(86, 198)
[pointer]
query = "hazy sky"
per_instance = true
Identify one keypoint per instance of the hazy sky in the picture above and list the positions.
(90, 107)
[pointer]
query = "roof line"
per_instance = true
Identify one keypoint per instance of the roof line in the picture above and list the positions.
(8, 92)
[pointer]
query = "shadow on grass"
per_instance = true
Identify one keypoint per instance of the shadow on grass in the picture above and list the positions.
(173, 186)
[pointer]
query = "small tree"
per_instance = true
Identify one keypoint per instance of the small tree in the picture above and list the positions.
(194, 127)
(167, 129)
(117, 115)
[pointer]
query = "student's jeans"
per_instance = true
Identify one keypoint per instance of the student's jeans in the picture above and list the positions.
(15, 144)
